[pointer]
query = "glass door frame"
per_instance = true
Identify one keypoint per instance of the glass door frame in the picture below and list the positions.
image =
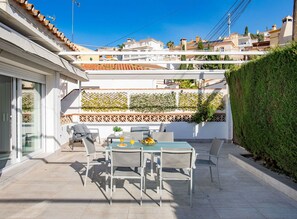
(19, 122)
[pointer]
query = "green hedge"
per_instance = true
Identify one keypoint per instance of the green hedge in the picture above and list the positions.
(104, 102)
(27, 102)
(264, 107)
(153, 102)
(191, 101)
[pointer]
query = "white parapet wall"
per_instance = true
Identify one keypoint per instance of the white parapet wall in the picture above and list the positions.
(181, 130)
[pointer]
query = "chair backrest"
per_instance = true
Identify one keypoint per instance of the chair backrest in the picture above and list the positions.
(81, 129)
(162, 127)
(144, 130)
(127, 157)
(135, 135)
(216, 146)
(163, 136)
(177, 158)
(89, 145)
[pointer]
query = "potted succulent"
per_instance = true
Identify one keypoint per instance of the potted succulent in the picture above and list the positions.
(117, 130)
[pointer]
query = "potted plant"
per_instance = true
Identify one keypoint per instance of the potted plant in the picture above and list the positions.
(117, 130)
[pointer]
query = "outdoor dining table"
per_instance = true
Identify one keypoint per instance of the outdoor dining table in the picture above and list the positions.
(151, 149)
(156, 148)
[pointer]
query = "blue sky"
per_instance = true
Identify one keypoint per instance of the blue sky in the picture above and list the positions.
(98, 23)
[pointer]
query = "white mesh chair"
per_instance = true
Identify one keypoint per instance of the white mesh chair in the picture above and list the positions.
(213, 158)
(127, 164)
(160, 137)
(137, 136)
(162, 127)
(91, 156)
(145, 130)
(163, 136)
(176, 164)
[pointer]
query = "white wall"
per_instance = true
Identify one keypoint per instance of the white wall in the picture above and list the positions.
(182, 130)
(52, 113)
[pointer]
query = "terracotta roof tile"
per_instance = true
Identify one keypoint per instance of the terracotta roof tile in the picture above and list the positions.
(112, 67)
(119, 67)
(35, 13)
(41, 18)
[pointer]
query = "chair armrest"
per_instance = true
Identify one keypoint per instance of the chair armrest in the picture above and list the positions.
(94, 129)
(96, 132)
(203, 154)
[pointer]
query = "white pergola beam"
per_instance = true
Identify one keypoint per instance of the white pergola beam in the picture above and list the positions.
(161, 62)
(188, 52)
(156, 74)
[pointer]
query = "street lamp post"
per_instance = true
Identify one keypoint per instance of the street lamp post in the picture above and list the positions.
(74, 2)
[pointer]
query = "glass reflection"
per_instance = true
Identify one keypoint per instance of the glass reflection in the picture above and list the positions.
(31, 117)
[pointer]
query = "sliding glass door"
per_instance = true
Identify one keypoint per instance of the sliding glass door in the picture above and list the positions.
(5, 120)
(31, 117)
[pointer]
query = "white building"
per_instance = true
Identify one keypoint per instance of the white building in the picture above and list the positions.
(30, 79)
(286, 30)
(149, 44)
(245, 41)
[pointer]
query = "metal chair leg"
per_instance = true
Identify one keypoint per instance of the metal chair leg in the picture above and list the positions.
(210, 170)
(219, 177)
(141, 187)
(160, 191)
(110, 196)
(191, 189)
(87, 172)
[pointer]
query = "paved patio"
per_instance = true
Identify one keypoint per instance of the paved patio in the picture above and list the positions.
(51, 187)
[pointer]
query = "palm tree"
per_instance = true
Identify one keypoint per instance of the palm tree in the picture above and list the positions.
(170, 44)
(121, 46)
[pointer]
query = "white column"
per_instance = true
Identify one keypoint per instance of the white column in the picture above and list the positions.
(229, 120)
(79, 97)
(52, 112)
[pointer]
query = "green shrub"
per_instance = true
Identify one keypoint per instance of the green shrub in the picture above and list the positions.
(153, 102)
(264, 106)
(104, 102)
(27, 102)
(192, 101)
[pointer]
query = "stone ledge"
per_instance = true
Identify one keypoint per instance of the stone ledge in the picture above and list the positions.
(275, 180)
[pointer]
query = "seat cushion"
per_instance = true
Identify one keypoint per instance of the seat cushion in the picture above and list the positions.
(204, 162)
(78, 129)
(126, 172)
(85, 128)
(172, 173)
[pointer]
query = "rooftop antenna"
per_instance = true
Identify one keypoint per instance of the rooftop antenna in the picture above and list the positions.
(53, 18)
(229, 23)
(74, 2)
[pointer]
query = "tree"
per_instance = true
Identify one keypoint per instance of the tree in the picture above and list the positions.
(246, 31)
(170, 44)
(260, 37)
(183, 58)
(183, 66)
(190, 67)
(227, 66)
(212, 66)
(200, 45)
(121, 46)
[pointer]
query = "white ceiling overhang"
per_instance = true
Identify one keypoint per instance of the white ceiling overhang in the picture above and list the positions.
(19, 47)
